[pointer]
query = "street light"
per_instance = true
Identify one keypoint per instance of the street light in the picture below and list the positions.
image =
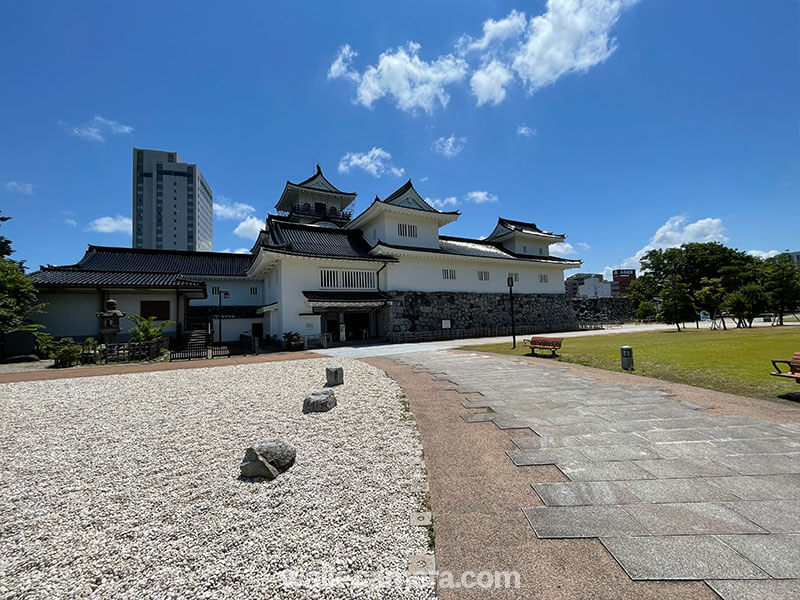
(222, 294)
(511, 303)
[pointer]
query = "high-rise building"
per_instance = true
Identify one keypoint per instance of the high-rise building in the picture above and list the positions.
(623, 277)
(173, 205)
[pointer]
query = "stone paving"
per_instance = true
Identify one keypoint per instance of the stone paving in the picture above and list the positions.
(672, 493)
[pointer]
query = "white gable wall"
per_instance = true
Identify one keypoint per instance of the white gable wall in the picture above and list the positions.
(526, 245)
(384, 228)
(425, 275)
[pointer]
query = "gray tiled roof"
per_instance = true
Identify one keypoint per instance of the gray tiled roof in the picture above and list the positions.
(338, 296)
(81, 278)
(314, 240)
(478, 248)
(143, 268)
(185, 262)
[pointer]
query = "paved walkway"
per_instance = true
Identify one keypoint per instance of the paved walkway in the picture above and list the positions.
(672, 492)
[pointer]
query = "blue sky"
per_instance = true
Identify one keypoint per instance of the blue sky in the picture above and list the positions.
(625, 125)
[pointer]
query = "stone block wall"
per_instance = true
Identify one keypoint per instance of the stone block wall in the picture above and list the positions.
(471, 313)
(616, 308)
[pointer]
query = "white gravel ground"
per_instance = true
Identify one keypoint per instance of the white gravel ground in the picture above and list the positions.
(126, 486)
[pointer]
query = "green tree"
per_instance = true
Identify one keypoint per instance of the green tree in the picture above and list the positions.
(710, 297)
(676, 303)
(145, 330)
(645, 310)
(745, 303)
(643, 289)
(5, 243)
(18, 298)
(782, 284)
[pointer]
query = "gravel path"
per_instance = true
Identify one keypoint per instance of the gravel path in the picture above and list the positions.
(126, 486)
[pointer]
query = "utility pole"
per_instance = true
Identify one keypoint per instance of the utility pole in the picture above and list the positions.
(511, 304)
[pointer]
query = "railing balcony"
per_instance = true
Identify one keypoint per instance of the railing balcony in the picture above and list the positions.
(330, 212)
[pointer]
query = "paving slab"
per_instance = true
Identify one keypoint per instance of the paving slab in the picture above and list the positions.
(603, 471)
(677, 468)
(702, 449)
(776, 516)
(762, 464)
(680, 558)
(578, 493)
(677, 435)
(729, 589)
(697, 489)
(690, 518)
(535, 443)
(545, 456)
(761, 487)
(581, 522)
(777, 554)
(618, 452)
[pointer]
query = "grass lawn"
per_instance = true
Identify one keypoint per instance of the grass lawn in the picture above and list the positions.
(734, 361)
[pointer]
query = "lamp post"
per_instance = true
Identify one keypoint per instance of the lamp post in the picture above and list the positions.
(511, 304)
(222, 294)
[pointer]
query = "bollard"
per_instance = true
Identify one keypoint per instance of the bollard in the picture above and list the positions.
(626, 355)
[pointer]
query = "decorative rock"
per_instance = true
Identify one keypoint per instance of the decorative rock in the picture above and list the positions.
(334, 375)
(321, 401)
(268, 460)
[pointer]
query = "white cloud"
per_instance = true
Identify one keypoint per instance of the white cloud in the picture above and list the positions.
(449, 146)
(412, 82)
(376, 162)
(71, 222)
(118, 224)
(98, 128)
(583, 245)
(225, 209)
(572, 36)
(525, 131)
(249, 228)
(481, 197)
(675, 232)
(341, 67)
(763, 254)
(424, 179)
(494, 31)
(562, 249)
(237, 251)
(489, 83)
(19, 187)
(442, 204)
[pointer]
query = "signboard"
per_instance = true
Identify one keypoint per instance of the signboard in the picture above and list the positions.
(445, 323)
(342, 334)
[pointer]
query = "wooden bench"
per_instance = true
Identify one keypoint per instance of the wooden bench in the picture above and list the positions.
(794, 368)
(543, 343)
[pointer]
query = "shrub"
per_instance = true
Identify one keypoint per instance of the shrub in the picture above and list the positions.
(145, 330)
(292, 336)
(66, 353)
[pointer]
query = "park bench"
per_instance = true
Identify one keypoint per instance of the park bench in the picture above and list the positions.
(794, 368)
(543, 343)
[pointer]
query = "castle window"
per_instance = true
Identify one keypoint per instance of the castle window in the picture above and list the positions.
(448, 273)
(406, 230)
(253, 291)
(514, 275)
(483, 275)
(543, 278)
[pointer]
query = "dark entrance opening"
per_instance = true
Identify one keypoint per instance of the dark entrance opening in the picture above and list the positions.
(258, 330)
(356, 325)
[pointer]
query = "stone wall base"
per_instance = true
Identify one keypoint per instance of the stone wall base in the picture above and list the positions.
(419, 316)
(603, 310)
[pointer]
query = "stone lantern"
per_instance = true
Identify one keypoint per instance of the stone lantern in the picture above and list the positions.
(109, 321)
